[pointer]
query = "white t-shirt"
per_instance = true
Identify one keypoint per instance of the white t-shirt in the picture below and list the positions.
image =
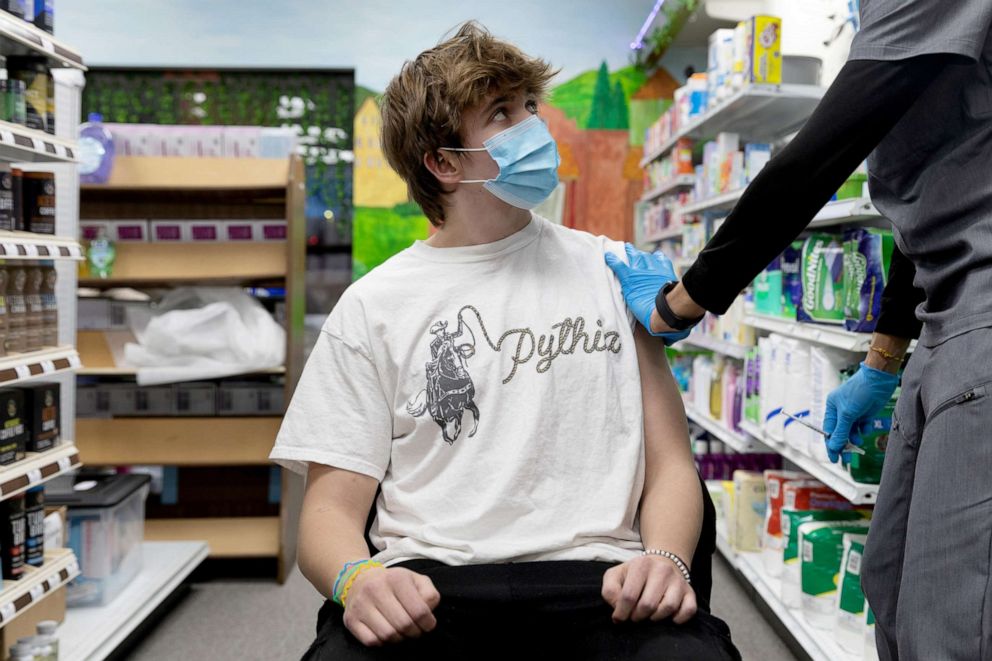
(494, 392)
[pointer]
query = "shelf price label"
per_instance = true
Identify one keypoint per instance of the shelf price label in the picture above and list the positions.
(72, 567)
(74, 361)
(34, 476)
(75, 250)
(39, 144)
(7, 611)
(47, 366)
(60, 151)
(7, 137)
(23, 371)
(37, 592)
(65, 463)
(47, 44)
(31, 250)
(9, 249)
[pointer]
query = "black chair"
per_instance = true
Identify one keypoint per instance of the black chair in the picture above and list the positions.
(702, 560)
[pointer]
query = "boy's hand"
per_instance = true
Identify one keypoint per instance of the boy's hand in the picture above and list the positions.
(386, 605)
(648, 587)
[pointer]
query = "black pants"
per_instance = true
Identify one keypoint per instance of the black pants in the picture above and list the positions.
(547, 610)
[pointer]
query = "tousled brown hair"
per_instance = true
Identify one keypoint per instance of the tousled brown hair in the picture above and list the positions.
(422, 106)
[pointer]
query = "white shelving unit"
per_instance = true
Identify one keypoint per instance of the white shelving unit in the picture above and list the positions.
(842, 212)
(93, 633)
(23, 145)
(704, 341)
(818, 643)
(722, 202)
(30, 40)
(832, 475)
(59, 568)
(681, 181)
(26, 245)
(759, 112)
(739, 442)
(37, 468)
(831, 336)
(19, 367)
(664, 235)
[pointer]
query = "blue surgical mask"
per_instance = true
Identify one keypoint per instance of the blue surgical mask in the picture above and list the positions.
(528, 161)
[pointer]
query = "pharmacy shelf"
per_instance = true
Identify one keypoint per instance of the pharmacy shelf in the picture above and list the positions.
(831, 336)
(666, 234)
(843, 212)
(29, 245)
(704, 341)
(819, 644)
(681, 181)
(757, 112)
(830, 474)
(177, 441)
(739, 442)
(59, 568)
(722, 202)
(102, 353)
(93, 633)
(17, 367)
(234, 537)
(37, 468)
(19, 144)
(147, 264)
(22, 38)
(191, 175)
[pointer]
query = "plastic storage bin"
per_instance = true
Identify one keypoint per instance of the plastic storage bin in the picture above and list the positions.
(106, 516)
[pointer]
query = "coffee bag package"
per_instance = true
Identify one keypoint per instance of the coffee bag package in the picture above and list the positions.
(35, 318)
(50, 308)
(4, 280)
(13, 432)
(17, 312)
(13, 537)
(42, 404)
(7, 221)
(39, 202)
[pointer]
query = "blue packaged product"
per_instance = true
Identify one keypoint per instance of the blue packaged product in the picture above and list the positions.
(867, 256)
(44, 14)
(792, 284)
(822, 273)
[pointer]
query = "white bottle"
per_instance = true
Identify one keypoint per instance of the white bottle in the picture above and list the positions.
(22, 651)
(46, 629)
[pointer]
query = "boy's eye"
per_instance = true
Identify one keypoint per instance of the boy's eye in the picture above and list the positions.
(499, 115)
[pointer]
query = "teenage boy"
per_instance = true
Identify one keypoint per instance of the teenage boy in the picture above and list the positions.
(530, 446)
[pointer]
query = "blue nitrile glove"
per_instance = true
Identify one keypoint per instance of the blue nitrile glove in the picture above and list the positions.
(850, 406)
(640, 280)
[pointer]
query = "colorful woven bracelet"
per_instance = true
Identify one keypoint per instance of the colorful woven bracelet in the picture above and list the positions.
(342, 576)
(371, 564)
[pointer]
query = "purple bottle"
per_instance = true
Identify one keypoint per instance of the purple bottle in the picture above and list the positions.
(96, 151)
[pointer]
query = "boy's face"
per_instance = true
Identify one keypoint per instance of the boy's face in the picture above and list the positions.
(496, 113)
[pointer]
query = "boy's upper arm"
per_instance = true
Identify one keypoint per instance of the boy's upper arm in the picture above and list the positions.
(666, 428)
(347, 491)
(339, 415)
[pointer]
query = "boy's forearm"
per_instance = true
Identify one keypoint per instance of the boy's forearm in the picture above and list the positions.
(328, 539)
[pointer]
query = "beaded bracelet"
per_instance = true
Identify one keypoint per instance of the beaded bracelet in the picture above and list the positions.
(371, 564)
(683, 568)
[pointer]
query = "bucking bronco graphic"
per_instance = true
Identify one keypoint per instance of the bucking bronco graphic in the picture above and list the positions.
(450, 390)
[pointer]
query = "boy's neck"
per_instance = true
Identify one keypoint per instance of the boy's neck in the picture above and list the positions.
(478, 225)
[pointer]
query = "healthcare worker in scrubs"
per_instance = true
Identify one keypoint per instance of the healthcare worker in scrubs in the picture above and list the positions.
(916, 94)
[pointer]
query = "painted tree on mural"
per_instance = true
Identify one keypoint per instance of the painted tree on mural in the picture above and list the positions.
(609, 103)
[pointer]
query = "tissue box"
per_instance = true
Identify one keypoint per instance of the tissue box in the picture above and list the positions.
(867, 257)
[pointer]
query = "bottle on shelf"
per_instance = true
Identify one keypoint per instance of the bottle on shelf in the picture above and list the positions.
(100, 255)
(22, 652)
(47, 629)
(96, 151)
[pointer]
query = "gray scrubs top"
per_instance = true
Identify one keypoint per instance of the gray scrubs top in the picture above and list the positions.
(932, 175)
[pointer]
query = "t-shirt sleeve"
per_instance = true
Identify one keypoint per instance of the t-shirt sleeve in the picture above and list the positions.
(338, 415)
(618, 249)
(900, 29)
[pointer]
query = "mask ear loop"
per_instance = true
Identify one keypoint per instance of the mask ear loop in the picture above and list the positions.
(468, 181)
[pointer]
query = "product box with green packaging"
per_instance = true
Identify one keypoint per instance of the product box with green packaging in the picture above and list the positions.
(867, 468)
(822, 274)
(821, 547)
(867, 256)
(768, 289)
(791, 520)
(850, 623)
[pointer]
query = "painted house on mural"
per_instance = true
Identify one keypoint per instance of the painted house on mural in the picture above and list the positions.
(376, 184)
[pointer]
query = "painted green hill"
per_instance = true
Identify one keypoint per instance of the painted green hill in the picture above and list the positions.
(574, 97)
(362, 93)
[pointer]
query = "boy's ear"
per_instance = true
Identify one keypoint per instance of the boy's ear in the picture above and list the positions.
(445, 166)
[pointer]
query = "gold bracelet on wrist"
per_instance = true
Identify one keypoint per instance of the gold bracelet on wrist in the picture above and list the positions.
(887, 355)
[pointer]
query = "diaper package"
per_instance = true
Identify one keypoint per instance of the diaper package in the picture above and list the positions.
(826, 369)
(792, 282)
(798, 395)
(784, 355)
(791, 519)
(849, 626)
(867, 468)
(821, 546)
(771, 541)
(867, 256)
(749, 510)
(822, 273)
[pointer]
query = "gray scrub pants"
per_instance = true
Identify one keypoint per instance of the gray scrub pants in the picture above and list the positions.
(928, 560)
